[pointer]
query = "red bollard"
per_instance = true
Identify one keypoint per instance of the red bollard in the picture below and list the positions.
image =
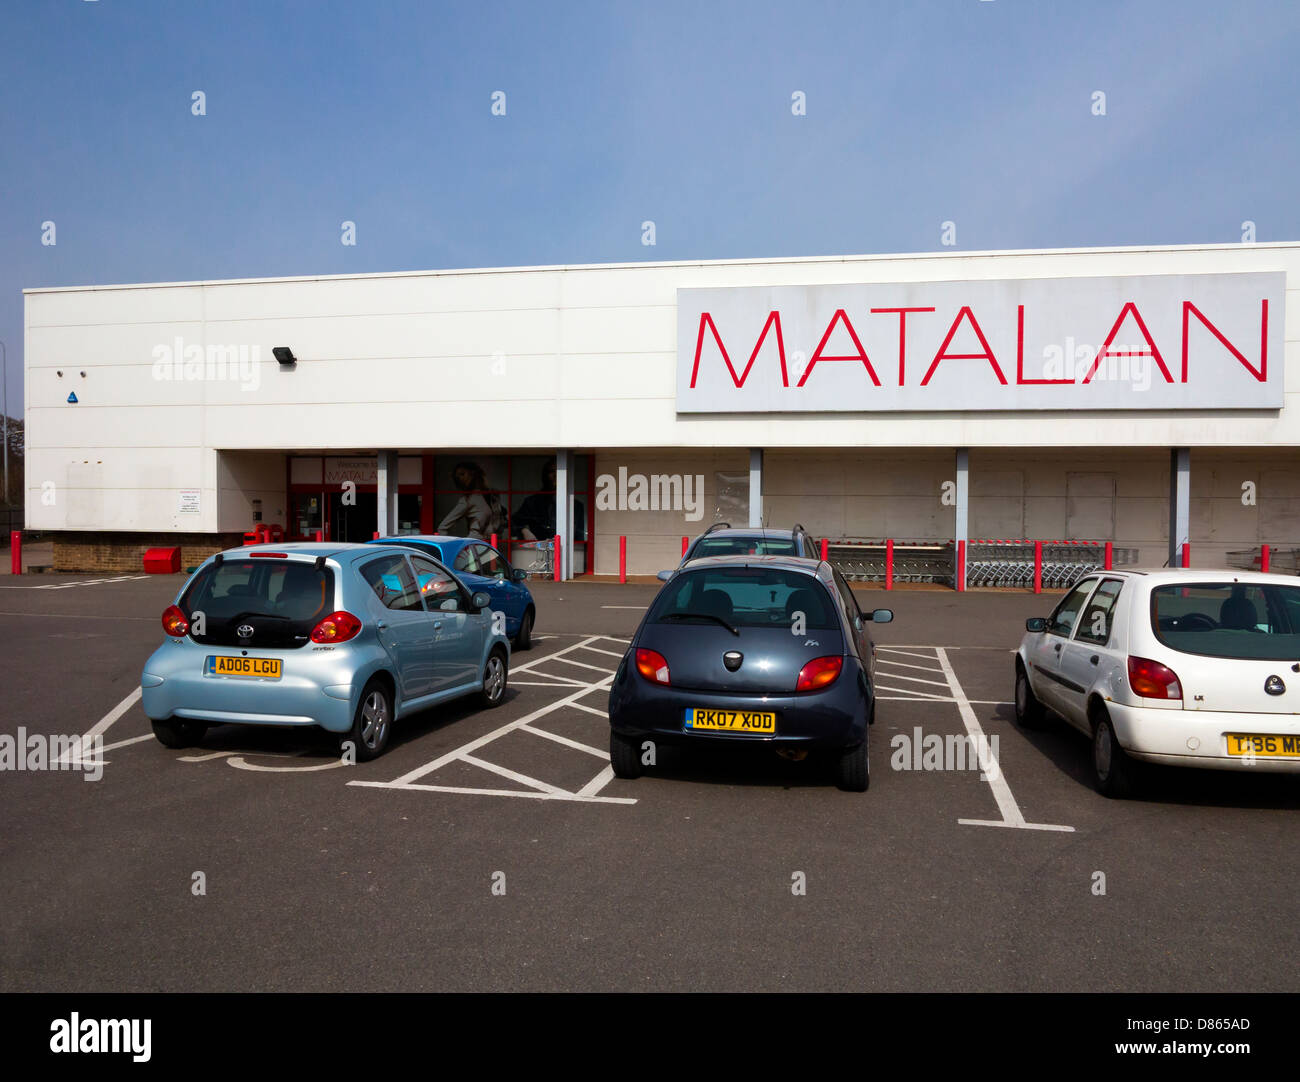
(558, 553)
(1263, 557)
(1038, 567)
(686, 543)
(1187, 554)
(318, 536)
(961, 564)
(494, 540)
(376, 537)
(622, 559)
(1110, 556)
(16, 551)
(889, 564)
(826, 548)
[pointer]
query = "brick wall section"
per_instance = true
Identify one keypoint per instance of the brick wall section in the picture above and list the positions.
(124, 552)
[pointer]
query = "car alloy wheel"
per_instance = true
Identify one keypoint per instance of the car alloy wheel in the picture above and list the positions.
(374, 720)
(372, 723)
(494, 679)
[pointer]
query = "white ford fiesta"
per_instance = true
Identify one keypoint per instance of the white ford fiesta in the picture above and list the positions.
(1183, 667)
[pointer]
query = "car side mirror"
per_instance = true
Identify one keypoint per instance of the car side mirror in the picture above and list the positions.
(519, 574)
(1036, 623)
(664, 576)
(882, 616)
(481, 599)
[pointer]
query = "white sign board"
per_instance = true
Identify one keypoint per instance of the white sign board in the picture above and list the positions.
(188, 503)
(360, 471)
(1161, 342)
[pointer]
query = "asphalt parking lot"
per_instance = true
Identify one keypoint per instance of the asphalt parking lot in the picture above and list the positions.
(493, 850)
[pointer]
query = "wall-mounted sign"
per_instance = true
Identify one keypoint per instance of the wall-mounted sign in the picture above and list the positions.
(1195, 341)
(188, 501)
(360, 471)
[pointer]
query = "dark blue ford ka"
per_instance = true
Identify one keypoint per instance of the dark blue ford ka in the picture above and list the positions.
(750, 650)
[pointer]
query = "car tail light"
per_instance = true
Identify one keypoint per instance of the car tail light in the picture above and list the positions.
(819, 673)
(175, 622)
(653, 666)
(336, 627)
(1152, 680)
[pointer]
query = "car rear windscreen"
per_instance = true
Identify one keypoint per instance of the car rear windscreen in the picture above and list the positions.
(281, 600)
(745, 597)
(744, 546)
(1249, 621)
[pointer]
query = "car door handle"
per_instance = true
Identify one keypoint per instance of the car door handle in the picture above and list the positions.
(1094, 659)
(381, 624)
(437, 624)
(1057, 648)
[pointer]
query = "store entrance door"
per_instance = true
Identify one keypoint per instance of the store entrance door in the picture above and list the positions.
(353, 521)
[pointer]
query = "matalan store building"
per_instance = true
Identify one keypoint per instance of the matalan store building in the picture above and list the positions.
(1148, 397)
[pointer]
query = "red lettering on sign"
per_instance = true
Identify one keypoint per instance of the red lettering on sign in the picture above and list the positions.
(1260, 373)
(861, 355)
(943, 355)
(902, 334)
(1020, 352)
(1105, 351)
(773, 320)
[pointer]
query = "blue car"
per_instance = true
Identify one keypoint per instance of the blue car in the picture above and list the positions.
(481, 567)
(345, 637)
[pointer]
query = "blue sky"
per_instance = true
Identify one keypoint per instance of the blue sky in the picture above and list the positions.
(977, 112)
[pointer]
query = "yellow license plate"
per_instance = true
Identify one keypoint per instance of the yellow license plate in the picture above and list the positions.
(1263, 746)
(730, 721)
(258, 668)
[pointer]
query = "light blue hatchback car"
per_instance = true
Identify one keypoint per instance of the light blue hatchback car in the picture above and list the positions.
(346, 637)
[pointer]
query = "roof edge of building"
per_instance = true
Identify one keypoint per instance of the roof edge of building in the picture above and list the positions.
(753, 261)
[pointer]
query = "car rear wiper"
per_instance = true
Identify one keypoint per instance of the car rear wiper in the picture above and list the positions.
(701, 616)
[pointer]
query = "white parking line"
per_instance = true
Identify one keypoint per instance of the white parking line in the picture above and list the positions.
(101, 726)
(997, 780)
(540, 790)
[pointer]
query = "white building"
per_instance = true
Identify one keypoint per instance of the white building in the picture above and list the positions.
(1147, 396)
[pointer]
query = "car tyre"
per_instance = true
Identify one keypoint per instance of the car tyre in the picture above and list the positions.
(524, 638)
(496, 673)
(1030, 713)
(624, 756)
(853, 769)
(178, 732)
(373, 721)
(1114, 772)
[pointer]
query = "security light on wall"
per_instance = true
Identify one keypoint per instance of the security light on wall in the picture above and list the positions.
(285, 356)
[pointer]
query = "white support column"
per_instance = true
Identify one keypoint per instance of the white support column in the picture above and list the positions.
(961, 518)
(755, 487)
(1180, 502)
(564, 510)
(386, 492)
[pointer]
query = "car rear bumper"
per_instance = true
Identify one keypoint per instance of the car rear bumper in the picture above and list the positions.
(315, 689)
(1198, 738)
(831, 719)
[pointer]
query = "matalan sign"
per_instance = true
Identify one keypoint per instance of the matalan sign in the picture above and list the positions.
(1195, 341)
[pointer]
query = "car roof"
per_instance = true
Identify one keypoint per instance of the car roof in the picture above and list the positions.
(784, 563)
(433, 538)
(1157, 576)
(753, 531)
(338, 551)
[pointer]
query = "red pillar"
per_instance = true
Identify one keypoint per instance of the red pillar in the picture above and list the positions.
(1263, 557)
(889, 563)
(1187, 554)
(826, 547)
(559, 558)
(1110, 555)
(16, 551)
(1038, 567)
(318, 536)
(494, 540)
(961, 564)
(686, 543)
(622, 559)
